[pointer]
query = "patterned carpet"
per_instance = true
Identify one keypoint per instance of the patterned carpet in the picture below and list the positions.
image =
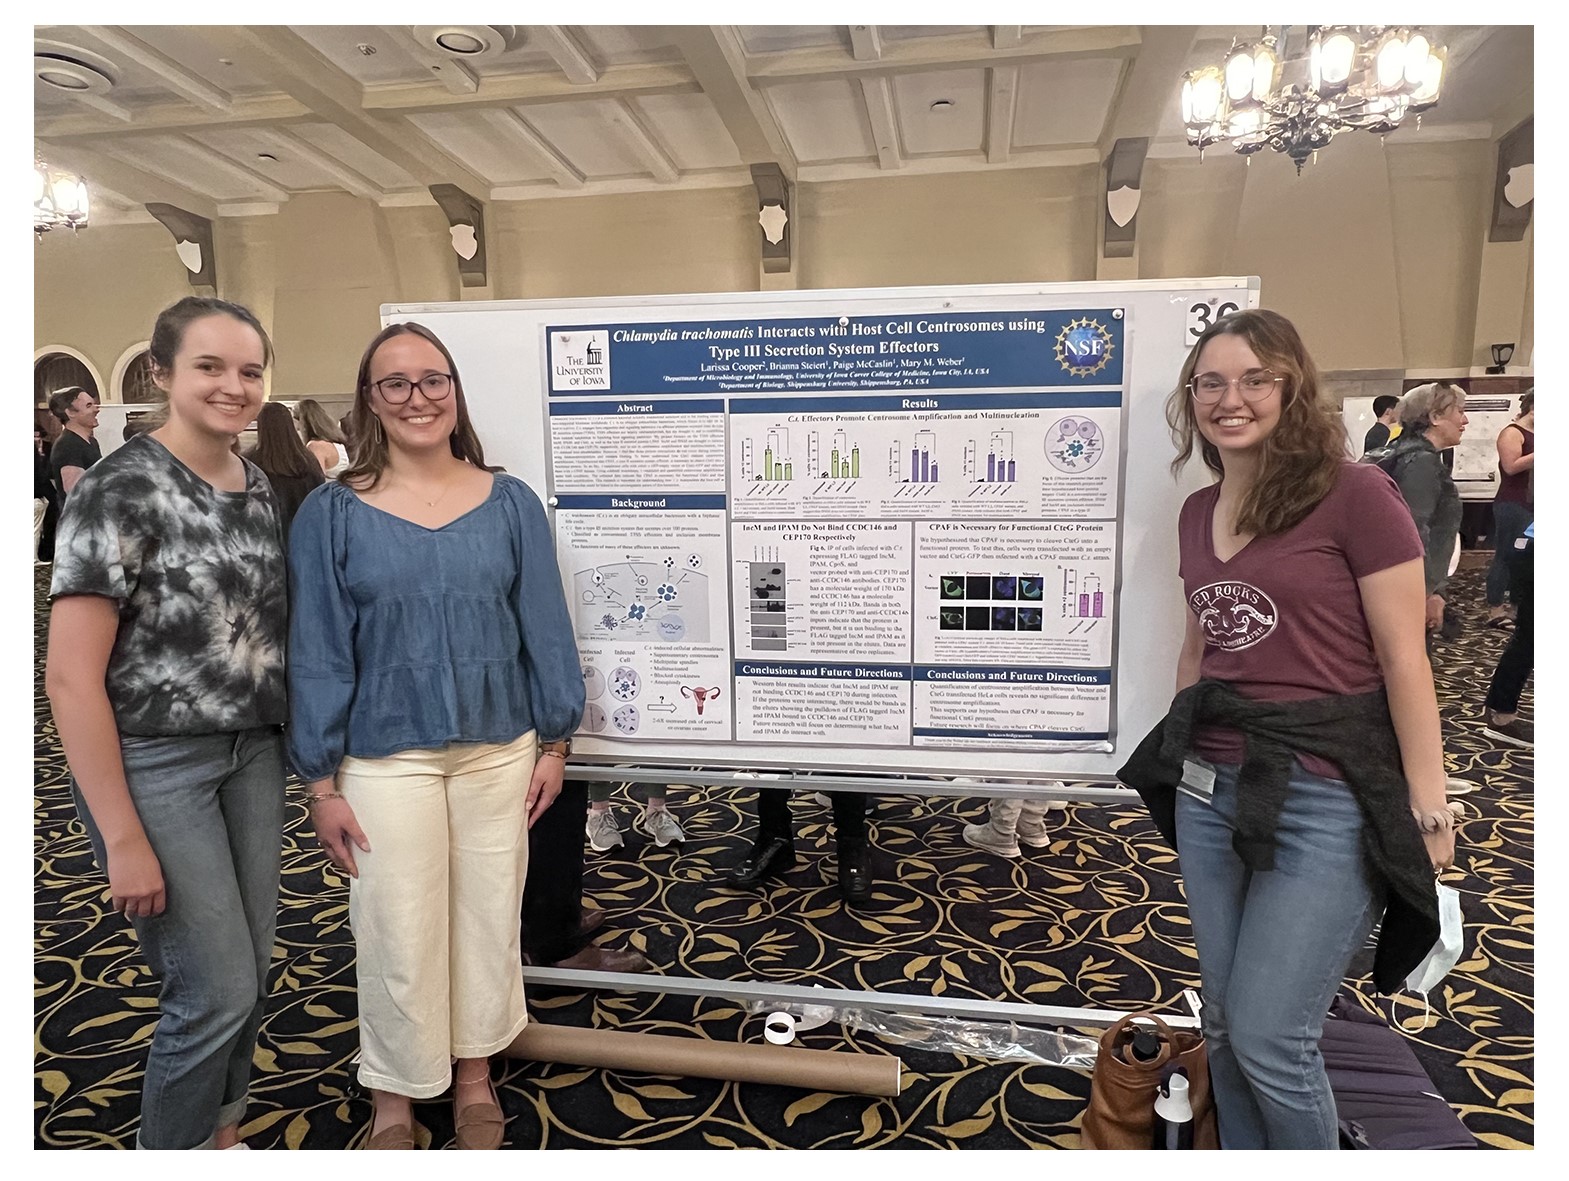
(1095, 919)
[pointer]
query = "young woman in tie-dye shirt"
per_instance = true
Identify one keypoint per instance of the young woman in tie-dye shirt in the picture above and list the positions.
(165, 673)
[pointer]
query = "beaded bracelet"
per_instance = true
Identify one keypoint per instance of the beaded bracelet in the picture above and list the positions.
(557, 753)
(312, 799)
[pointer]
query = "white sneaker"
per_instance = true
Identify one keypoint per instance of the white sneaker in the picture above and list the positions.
(603, 833)
(1035, 838)
(986, 838)
(659, 824)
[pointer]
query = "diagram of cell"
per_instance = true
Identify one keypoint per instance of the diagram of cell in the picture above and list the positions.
(664, 600)
(625, 683)
(594, 717)
(626, 719)
(593, 682)
(1074, 444)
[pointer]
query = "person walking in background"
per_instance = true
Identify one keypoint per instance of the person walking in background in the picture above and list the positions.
(655, 820)
(773, 848)
(46, 503)
(323, 438)
(291, 470)
(1014, 821)
(558, 930)
(1387, 429)
(75, 450)
(1300, 769)
(1433, 419)
(1503, 720)
(1513, 505)
(165, 675)
(434, 683)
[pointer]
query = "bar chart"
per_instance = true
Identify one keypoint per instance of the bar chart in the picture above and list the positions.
(922, 459)
(776, 466)
(1082, 598)
(844, 458)
(998, 467)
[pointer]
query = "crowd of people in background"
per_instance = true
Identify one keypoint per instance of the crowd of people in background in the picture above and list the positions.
(373, 606)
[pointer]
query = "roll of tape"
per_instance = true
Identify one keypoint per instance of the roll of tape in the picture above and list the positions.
(779, 1029)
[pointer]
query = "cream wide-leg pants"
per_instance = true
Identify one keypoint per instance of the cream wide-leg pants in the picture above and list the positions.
(435, 909)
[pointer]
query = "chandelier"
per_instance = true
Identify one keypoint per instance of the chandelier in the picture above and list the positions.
(1354, 78)
(59, 199)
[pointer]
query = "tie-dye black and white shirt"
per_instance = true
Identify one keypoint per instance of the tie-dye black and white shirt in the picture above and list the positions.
(201, 584)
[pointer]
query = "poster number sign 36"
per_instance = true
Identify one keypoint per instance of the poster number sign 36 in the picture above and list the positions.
(1202, 313)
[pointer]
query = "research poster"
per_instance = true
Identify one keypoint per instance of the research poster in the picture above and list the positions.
(880, 530)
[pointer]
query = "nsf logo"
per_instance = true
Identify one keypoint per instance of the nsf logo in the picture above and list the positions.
(1084, 347)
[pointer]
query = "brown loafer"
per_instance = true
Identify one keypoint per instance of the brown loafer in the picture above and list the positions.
(603, 959)
(591, 922)
(404, 1136)
(481, 1126)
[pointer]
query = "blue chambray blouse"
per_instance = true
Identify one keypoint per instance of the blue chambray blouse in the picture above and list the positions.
(403, 637)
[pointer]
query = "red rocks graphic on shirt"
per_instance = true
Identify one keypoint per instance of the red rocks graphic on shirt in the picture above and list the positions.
(1233, 615)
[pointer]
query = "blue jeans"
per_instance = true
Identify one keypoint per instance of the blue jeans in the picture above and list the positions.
(1273, 947)
(212, 807)
(1509, 521)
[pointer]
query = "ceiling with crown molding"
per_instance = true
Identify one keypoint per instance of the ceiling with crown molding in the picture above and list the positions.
(237, 120)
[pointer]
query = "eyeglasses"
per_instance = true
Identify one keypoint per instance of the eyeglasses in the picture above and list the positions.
(1209, 388)
(397, 390)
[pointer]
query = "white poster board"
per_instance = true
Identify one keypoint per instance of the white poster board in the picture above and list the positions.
(928, 531)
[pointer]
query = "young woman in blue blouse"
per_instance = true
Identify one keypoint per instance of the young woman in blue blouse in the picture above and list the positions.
(433, 683)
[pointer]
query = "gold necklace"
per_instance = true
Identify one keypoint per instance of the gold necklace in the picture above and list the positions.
(430, 503)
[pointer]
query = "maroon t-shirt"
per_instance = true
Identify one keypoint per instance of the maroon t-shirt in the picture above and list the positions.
(1283, 619)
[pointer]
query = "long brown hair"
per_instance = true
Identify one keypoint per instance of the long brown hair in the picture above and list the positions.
(315, 423)
(368, 442)
(1300, 460)
(279, 451)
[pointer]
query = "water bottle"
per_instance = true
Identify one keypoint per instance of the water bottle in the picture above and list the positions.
(1173, 1126)
(1145, 1046)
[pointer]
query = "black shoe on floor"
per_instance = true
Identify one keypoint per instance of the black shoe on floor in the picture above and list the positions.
(855, 873)
(770, 857)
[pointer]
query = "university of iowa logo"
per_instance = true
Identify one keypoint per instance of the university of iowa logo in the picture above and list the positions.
(580, 360)
(1233, 615)
(1084, 347)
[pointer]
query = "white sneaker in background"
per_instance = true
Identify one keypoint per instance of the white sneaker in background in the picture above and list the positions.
(603, 832)
(987, 839)
(1035, 838)
(659, 824)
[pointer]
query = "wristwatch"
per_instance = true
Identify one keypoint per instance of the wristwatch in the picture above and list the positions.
(562, 748)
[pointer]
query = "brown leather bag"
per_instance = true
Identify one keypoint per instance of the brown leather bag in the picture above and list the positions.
(1121, 1113)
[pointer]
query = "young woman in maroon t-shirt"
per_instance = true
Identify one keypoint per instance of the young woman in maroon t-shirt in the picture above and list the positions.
(1303, 576)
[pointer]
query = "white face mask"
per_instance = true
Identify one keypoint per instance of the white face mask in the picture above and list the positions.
(1445, 954)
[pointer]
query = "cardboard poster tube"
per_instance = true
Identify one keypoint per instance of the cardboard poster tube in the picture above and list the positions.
(652, 1053)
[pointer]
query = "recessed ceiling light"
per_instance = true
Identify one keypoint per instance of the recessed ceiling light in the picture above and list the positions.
(63, 81)
(77, 75)
(942, 105)
(468, 42)
(460, 43)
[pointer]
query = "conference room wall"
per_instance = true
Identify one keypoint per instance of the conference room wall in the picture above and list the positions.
(1379, 252)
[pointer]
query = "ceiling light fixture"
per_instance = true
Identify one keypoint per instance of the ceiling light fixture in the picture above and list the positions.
(59, 199)
(75, 75)
(1346, 78)
(467, 42)
(942, 105)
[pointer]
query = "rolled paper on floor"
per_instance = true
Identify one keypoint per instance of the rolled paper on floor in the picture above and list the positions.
(652, 1053)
